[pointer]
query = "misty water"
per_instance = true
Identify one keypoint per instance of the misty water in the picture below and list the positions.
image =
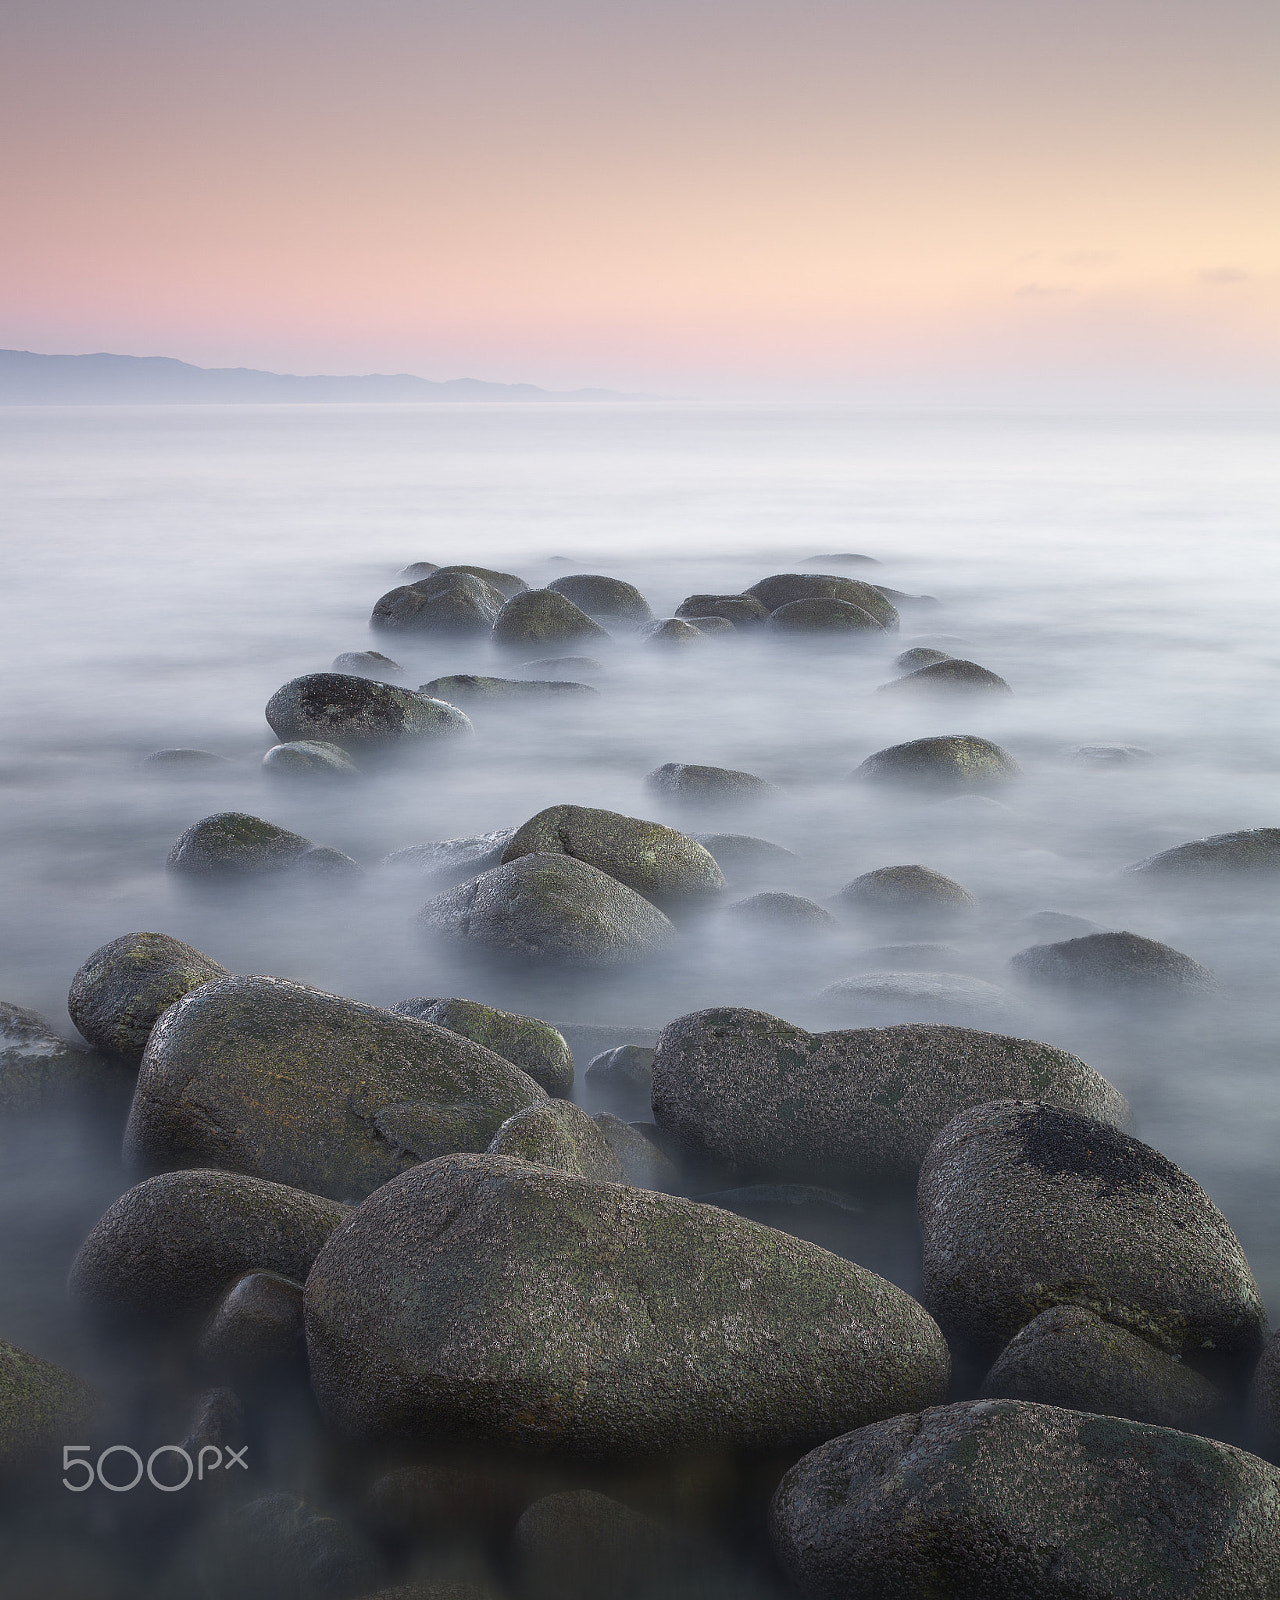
(170, 568)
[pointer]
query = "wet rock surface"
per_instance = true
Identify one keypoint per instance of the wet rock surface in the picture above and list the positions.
(528, 1043)
(742, 610)
(784, 588)
(558, 1135)
(908, 891)
(234, 844)
(823, 614)
(309, 759)
(123, 987)
(599, 596)
(955, 762)
(541, 616)
(358, 713)
(665, 866)
(450, 603)
(708, 785)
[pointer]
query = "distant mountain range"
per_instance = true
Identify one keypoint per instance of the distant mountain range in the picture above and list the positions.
(28, 379)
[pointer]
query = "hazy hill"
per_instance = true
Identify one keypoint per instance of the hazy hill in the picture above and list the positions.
(30, 379)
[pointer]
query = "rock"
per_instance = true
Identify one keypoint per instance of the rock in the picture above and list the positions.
(1251, 852)
(506, 583)
(911, 891)
(39, 1070)
(255, 1330)
(743, 858)
(464, 687)
(850, 1108)
(1024, 1206)
(953, 761)
(280, 1548)
(643, 1164)
(625, 1068)
(666, 867)
(447, 860)
(1122, 963)
(575, 664)
(1055, 925)
(706, 625)
(915, 957)
(889, 997)
(1068, 1356)
(233, 844)
(510, 1305)
(603, 597)
(785, 587)
(673, 630)
(184, 763)
(42, 1407)
(1008, 1500)
(900, 597)
(417, 570)
(822, 615)
(278, 1080)
(458, 606)
(364, 664)
(123, 987)
(541, 616)
(358, 713)
(321, 861)
(707, 785)
(920, 656)
(1264, 1394)
(309, 759)
(550, 907)
(534, 1046)
(778, 912)
(217, 1419)
(845, 557)
(482, 1497)
(742, 610)
(1109, 755)
(560, 1135)
(169, 1248)
(949, 677)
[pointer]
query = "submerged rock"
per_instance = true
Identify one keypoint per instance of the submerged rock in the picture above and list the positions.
(823, 615)
(463, 687)
(951, 762)
(707, 625)
(541, 616)
(123, 987)
(919, 656)
(559, 1135)
(1264, 1394)
(574, 664)
(949, 676)
(643, 1163)
(785, 587)
(1116, 962)
(180, 762)
(1109, 755)
(625, 1069)
(671, 631)
(232, 843)
(843, 557)
(1251, 852)
(358, 713)
(281, 1081)
(459, 605)
(512, 1306)
(745, 859)
(42, 1407)
(909, 891)
(364, 664)
(39, 1070)
(791, 913)
(742, 610)
(449, 859)
(707, 785)
(528, 1043)
(880, 997)
(256, 1329)
(1008, 1500)
(665, 866)
(603, 597)
(853, 1107)
(417, 570)
(1025, 1205)
(309, 759)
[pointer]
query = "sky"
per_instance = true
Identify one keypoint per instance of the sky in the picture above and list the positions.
(709, 196)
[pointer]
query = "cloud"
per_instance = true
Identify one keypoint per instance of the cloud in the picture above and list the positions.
(1035, 290)
(1219, 276)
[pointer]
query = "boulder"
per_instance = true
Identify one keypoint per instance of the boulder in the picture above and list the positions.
(364, 664)
(560, 1135)
(42, 1407)
(169, 1248)
(579, 665)
(550, 907)
(742, 610)
(843, 558)
(541, 616)
(776, 913)
(234, 844)
(850, 1108)
(663, 865)
(643, 1163)
(706, 625)
(627, 1068)
(707, 785)
(39, 1070)
(888, 997)
(255, 1330)
(464, 687)
(123, 987)
(1264, 1395)
(277, 1080)
(447, 860)
(1109, 755)
(507, 584)
(949, 677)
(598, 596)
(358, 713)
(459, 606)
(671, 631)
(417, 570)
(1024, 1206)
(309, 759)
(1008, 1500)
(823, 615)
(785, 587)
(1068, 1356)
(510, 1305)
(182, 763)
(745, 859)
(1119, 963)
(534, 1046)
(952, 762)
(1248, 853)
(919, 656)
(910, 892)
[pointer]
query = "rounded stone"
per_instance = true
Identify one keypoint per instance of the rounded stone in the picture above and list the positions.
(417, 570)
(528, 1043)
(850, 1108)
(560, 1135)
(951, 762)
(643, 1163)
(949, 677)
(1024, 1206)
(779, 912)
(459, 606)
(663, 865)
(708, 625)
(256, 1328)
(743, 858)
(309, 759)
(1264, 1395)
(234, 844)
(1009, 1500)
(183, 762)
(1119, 963)
(39, 1070)
(358, 713)
(893, 997)
(785, 587)
(507, 584)
(907, 891)
(599, 596)
(513, 1306)
(42, 1408)
(1250, 852)
(123, 987)
(823, 615)
(919, 656)
(541, 616)
(706, 785)
(845, 558)
(742, 610)
(627, 1068)
(364, 664)
(464, 687)
(448, 860)
(1109, 755)
(671, 631)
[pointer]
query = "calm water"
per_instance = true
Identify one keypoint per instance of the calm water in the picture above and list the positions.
(168, 569)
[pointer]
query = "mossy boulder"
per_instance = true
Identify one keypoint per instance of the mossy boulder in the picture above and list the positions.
(281, 1081)
(502, 1303)
(783, 588)
(823, 614)
(1009, 1500)
(853, 1107)
(599, 596)
(550, 907)
(1024, 1206)
(459, 606)
(541, 616)
(255, 1331)
(1251, 852)
(1068, 1356)
(123, 987)
(560, 1135)
(39, 1070)
(1116, 963)
(462, 688)
(707, 785)
(671, 631)
(919, 656)
(951, 763)
(663, 865)
(948, 676)
(906, 892)
(232, 844)
(530, 1044)
(309, 759)
(742, 610)
(359, 713)
(42, 1407)
(169, 1248)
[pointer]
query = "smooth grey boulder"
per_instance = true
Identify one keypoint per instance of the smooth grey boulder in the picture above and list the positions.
(39, 1070)
(447, 860)
(358, 713)
(643, 1163)
(707, 785)
(458, 606)
(742, 610)
(123, 987)
(541, 616)
(277, 1080)
(1264, 1395)
(309, 759)
(550, 907)
(1250, 852)
(951, 762)
(417, 570)
(626, 1069)
(170, 1247)
(853, 1107)
(560, 1135)
(530, 1044)
(180, 762)
(663, 865)
(1117, 963)
(42, 1407)
(256, 1329)
(845, 558)
(888, 997)
(574, 664)
(777, 913)
(671, 631)
(463, 687)
(1068, 1356)
(512, 1306)
(234, 844)
(785, 587)
(706, 625)
(919, 656)
(743, 858)
(1009, 1500)
(1109, 755)
(823, 615)
(949, 676)
(908, 891)
(1024, 1206)
(365, 664)
(599, 596)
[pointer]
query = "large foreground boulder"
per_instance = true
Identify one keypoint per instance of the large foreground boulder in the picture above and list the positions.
(123, 987)
(783, 588)
(281, 1081)
(663, 865)
(540, 616)
(851, 1107)
(950, 764)
(42, 1407)
(501, 1303)
(358, 713)
(1025, 1206)
(550, 908)
(532, 1045)
(1007, 1500)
